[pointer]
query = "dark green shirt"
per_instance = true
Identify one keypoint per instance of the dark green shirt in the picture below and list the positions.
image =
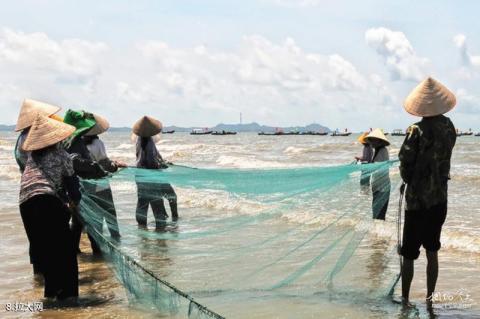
(425, 161)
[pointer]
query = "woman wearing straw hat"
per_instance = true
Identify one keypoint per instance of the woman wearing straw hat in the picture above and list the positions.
(83, 164)
(30, 108)
(28, 111)
(101, 192)
(425, 168)
(367, 155)
(380, 176)
(47, 186)
(148, 157)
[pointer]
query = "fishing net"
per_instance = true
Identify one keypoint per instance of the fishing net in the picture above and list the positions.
(248, 240)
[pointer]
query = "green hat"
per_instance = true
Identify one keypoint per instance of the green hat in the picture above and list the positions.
(83, 121)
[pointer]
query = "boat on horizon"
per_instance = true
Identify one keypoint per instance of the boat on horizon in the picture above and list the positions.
(169, 132)
(468, 133)
(223, 132)
(200, 131)
(338, 133)
(398, 132)
(314, 133)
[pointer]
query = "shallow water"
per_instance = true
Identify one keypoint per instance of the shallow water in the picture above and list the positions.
(459, 257)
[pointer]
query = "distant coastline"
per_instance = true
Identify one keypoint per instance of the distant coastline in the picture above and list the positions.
(249, 127)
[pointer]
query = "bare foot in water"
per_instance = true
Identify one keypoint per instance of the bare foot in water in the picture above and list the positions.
(429, 304)
(406, 304)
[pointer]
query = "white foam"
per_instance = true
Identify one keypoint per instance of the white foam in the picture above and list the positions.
(248, 162)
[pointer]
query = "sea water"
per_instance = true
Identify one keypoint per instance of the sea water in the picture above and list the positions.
(459, 257)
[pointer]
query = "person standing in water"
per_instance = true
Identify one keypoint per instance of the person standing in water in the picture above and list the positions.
(30, 108)
(47, 186)
(83, 164)
(380, 175)
(366, 158)
(151, 194)
(101, 193)
(425, 168)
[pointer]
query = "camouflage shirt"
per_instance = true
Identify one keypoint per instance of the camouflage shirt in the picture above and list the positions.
(425, 161)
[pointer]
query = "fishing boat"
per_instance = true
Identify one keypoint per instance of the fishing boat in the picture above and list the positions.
(279, 133)
(224, 133)
(169, 132)
(338, 133)
(468, 133)
(200, 131)
(314, 133)
(398, 132)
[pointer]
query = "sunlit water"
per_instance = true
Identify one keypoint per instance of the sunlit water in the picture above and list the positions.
(459, 257)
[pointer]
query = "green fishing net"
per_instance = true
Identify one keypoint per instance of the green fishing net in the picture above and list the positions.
(248, 237)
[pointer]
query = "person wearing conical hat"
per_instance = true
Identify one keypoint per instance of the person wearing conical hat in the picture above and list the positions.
(101, 191)
(148, 157)
(425, 168)
(83, 164)
(48, 186)
(367, 155)
(380, 176)
(28, 111)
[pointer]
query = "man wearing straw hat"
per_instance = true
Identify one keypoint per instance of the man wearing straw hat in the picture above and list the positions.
(425, 167)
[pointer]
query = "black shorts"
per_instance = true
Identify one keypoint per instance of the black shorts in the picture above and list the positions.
(423, 227)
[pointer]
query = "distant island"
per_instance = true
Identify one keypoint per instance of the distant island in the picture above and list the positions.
(250, 127)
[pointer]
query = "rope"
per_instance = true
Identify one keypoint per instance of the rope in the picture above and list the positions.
(399, 237)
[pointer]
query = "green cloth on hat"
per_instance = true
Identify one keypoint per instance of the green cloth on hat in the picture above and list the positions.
(83, 121)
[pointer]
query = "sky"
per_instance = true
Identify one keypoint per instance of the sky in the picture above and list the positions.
(343, 64)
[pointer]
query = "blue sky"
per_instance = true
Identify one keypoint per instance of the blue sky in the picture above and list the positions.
(279, 62)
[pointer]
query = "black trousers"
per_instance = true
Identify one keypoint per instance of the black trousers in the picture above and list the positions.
(104, 200)
(45, 219)
(380, 204)
(152, 194)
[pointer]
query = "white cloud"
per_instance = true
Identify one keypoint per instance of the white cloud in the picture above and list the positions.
(468, 60)
(273, 83)
(398, 54)
(467, 102)
(71, 57)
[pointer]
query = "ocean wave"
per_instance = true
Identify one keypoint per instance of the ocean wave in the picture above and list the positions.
(10, 172)
(249, 162)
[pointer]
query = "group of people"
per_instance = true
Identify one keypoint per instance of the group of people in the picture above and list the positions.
(425, 157)
(53, 153)
(62, 159)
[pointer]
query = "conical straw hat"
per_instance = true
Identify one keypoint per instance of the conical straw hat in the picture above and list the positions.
(147, 126)
(361, 139)
(100, 127)
(46, 132)
(378, 134)
(429, 98)
(29, 110)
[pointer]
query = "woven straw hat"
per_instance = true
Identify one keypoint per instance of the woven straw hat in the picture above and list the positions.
(46, 132)
(377, 134)
(101, 126)
(361, 139)
(429, 98)
(30, 109)
(147, 126)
